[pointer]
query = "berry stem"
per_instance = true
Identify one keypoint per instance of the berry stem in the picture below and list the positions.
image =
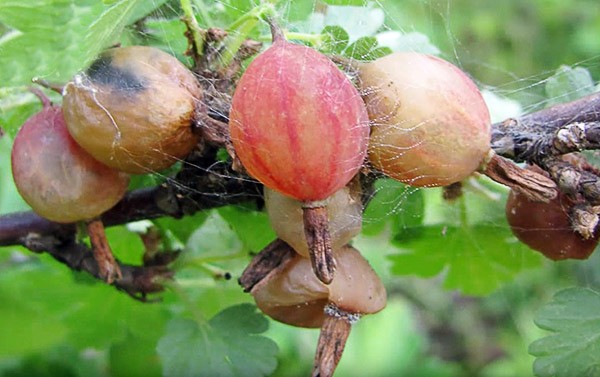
(190, 20)
(240, 29)
(316, 231)
(276, 31)
(58, 88)
(42, 96)
(109, 269)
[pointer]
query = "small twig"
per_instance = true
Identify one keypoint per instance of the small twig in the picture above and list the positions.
(137, 281)
(513, 136)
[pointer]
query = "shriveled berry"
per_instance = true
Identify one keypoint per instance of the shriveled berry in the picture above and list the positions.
(56, 177)
(546, 227)
(133, 109)
(295, 296)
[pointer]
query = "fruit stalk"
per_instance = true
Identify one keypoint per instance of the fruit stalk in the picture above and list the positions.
(108, 267)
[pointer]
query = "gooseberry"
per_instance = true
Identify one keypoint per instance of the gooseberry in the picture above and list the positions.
(58, 178)
(546, 227)
(293, 295)
(431, 126)
(300, 127)
(133, 109)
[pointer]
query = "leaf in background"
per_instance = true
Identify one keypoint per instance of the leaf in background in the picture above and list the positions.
(358, 21)
(346, 2)
(134, 356)
(228, 345)
(10, 200)
(182, 228)
(168, 35)
(109, 25)
(335, 39)
(394, 203)
(366, 48)
(413, 41)
(251, 226)
(16, 105)
(501, 107)
(46, 40)
(477, 260)
(127, 246)
(569, 84)
(214, 238)
(574, 348)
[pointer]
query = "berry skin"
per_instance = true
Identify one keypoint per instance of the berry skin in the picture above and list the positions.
(295, 296)
(133, 109)
(431, 126)
(297, 123)
(56, 177)
(546, 227)
(344, 211)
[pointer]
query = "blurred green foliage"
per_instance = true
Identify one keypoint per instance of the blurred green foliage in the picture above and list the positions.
(57, 322)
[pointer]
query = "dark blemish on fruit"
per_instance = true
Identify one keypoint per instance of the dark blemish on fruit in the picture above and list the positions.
(102, 71)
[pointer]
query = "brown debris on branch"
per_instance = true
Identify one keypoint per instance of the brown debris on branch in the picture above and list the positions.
(535, 186)
(137, 281)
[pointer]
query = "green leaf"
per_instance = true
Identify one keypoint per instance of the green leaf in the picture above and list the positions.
(394, 203)
(134, 356)
(228, 345)
(477, 260)
(574, 348)
(366, 48)
(182, 228)
(10, 200)
(335, 39)
(346, 2)
(107, 28)
(214, 238)
(168, 35)
(46, 39)
(569, 84)
(358, 21)
(251, 226)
